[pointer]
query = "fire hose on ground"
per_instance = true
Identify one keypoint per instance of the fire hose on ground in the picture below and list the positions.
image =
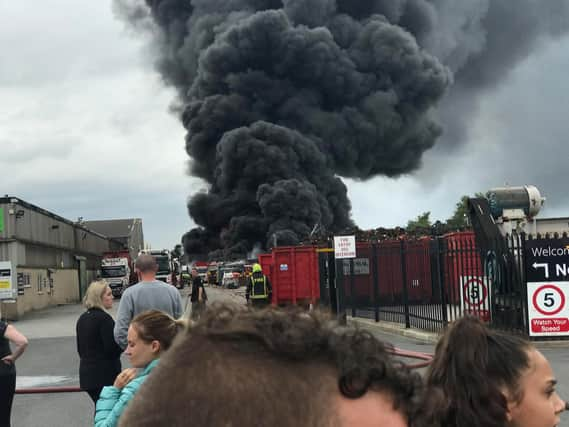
(424, 357)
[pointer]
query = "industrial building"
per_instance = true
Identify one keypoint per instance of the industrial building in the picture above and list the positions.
(45, 259)
(127, 231)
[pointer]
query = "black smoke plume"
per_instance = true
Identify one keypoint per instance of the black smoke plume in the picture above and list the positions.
(282, 97)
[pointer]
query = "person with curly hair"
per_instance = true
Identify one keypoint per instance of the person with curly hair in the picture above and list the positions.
(488, 378)
(246, 367)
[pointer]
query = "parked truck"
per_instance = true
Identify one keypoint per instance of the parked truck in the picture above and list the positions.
(118, 271)
(168, 268)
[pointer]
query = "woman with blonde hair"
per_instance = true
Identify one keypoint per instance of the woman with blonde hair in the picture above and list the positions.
(150, 334)
(98, 352)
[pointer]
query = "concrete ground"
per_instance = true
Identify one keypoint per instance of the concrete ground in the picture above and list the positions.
(51, 360)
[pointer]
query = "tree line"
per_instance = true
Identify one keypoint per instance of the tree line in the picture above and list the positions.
(459, 219)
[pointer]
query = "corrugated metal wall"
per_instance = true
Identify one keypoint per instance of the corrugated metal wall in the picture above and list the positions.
(11, 251)
(136, 238)
(44, 239)
(89, 242)
(39, 228)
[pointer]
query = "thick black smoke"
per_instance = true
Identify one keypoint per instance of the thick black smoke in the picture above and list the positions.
(280, 97)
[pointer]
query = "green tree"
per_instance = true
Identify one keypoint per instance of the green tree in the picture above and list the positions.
(421, 222)
(459, 218)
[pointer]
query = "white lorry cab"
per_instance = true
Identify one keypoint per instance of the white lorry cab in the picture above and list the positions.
(116, 270)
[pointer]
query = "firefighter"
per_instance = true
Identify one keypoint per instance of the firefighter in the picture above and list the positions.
(259, 290)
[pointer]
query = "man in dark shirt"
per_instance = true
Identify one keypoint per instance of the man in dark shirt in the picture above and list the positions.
(198, 296)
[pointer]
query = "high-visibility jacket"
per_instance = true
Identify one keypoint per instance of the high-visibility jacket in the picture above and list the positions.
(259, 289)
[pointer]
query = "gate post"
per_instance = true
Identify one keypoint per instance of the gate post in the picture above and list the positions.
(375, 273)
(340, 295)
(352, 299)
(521, 261)
(404, 278)
(440, 281)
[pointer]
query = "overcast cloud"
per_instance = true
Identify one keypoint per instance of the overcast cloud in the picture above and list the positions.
(85, 129)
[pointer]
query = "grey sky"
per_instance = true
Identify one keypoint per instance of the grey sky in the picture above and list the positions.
(85, 129)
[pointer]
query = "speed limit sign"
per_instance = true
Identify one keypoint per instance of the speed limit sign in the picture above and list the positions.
(547, 308)
(475, 292)
(548, 300)
(475, 296)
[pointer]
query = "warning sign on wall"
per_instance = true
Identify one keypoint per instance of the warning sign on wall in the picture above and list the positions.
(344, 247)
(7, 288)
(475, 296)
(547, 308)
(360, 267)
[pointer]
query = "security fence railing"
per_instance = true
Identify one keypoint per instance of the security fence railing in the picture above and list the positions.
(429, 282)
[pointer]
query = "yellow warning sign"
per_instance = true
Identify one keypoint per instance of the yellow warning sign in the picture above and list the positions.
(5, 284)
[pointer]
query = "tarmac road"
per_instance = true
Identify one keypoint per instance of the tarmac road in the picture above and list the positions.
(51, 360)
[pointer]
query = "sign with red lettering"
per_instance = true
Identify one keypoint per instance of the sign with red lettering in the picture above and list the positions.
(547, 308)
(344, 247)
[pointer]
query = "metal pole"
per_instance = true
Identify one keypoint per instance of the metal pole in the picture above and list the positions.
(440, 279)
(341, 313)
(352, 299)
(375, 280)
(404, 278)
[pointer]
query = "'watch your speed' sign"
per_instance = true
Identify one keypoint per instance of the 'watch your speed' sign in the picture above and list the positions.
(547, 273)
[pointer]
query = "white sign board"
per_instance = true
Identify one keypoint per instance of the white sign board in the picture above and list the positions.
(361, 267)
(110, 262)
(7, 279)
(548, 309)
(475, 296)
(344, 247)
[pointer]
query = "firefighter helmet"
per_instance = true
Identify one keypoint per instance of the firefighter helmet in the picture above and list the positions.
(257, 268)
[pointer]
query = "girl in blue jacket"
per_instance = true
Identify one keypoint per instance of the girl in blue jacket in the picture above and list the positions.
(149, 335)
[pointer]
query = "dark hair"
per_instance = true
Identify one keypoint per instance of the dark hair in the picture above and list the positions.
(472, 366)
(285, 366)
(155, 325)
(145, 263)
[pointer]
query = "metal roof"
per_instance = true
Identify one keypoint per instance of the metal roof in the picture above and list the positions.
(113, 228)
(17, 201)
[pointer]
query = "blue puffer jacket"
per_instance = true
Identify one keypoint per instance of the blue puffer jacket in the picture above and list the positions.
(113, 401)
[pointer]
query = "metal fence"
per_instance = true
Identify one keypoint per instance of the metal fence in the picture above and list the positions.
(429, 282)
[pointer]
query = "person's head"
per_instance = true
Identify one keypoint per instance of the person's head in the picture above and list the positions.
(98, 295)
(490, 378)
(146, 266)
(276, 368)
(195, 272)
(150, 334)
(257, 268)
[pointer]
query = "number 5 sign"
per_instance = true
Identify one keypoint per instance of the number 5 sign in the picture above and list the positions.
(475, 296)
(547, 308)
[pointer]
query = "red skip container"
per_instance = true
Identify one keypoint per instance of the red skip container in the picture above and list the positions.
(294, 274)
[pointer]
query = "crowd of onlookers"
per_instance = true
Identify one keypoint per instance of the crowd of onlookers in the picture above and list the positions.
(244, 366)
